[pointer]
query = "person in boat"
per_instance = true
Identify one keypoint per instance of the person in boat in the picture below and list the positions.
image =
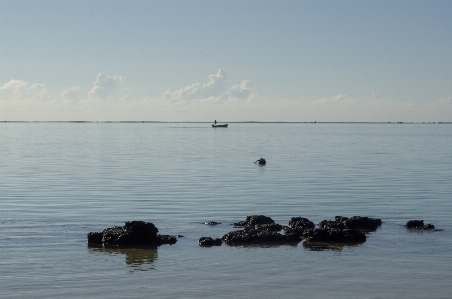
(215, 121)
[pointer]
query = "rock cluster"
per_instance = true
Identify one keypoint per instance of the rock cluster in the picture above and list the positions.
(133, 233)
(259, 229)
(419, 224)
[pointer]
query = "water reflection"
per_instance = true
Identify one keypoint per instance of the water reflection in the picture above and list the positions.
(319, 246)
(263, 245)
(139, 259)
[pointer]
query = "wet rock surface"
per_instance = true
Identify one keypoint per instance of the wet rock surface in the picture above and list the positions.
(331, 224)
(258, 237)
(269, 227)
(355, 222)
(419, 224)
(133, 233)
(297, 225)
(334, 235)
(254, 220)
(362, 223)
(209, 242)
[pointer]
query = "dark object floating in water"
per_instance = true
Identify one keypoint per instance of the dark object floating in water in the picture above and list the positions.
(220, 126)
(261, 161)
(133, 233)
(209, 242)
(419, 224)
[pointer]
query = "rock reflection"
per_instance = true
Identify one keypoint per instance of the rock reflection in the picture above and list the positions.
(263, 245)
(319, 246)
(140, 259)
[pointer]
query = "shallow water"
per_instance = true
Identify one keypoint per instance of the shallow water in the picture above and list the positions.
(59, 181)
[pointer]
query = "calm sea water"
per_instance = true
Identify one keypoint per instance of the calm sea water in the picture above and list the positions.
(59, 181)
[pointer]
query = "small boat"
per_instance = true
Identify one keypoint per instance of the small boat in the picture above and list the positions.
(220, 126)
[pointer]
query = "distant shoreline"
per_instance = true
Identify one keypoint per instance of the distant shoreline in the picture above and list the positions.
(231, 122)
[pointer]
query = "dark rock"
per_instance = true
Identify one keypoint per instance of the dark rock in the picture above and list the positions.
(294, 230)
(419, 224)
(253, 220)
(334, 235)
(95, 238)
(340, 218)
(297, 225)
(208, 242)
(269, 227)
(355, 222)
(133, 233)
(331, 224)
(300, 222)
(363, 223)
(258, 237)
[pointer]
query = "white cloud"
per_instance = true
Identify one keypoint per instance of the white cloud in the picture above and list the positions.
(217, 99)
(20, 90)
(106, 86)
(14, 84)
(70, 93)
(217, 90)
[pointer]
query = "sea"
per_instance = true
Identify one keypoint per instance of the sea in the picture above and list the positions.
(61, 180)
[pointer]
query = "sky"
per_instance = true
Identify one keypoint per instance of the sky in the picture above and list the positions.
(295, 61)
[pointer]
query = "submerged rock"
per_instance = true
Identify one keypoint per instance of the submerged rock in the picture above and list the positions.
(133, 233)
(208, 242)
(259, 237)
(419, 224)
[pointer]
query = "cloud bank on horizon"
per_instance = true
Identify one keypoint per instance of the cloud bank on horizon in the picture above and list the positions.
(203, 60)
(219, 97)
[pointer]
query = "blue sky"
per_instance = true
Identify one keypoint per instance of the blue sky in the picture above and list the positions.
(226, 60)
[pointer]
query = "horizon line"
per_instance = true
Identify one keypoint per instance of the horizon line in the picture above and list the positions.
(236, 122)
